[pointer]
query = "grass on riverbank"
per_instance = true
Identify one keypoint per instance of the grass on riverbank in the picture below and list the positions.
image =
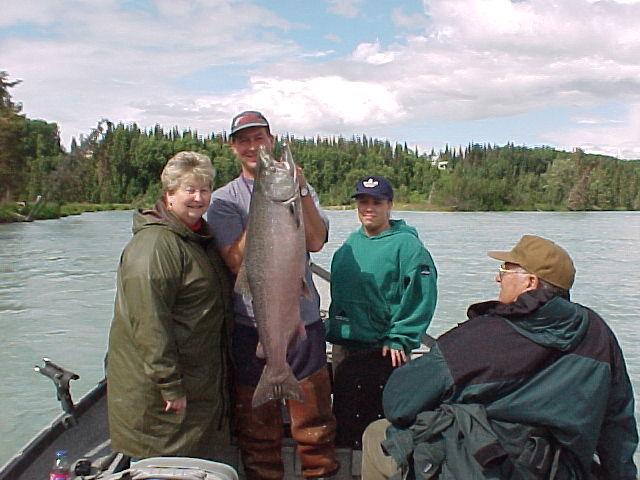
(16, 212)
(399, 206)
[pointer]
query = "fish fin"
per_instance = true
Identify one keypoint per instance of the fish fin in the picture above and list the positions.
(269, 388)
(242, 283)
(260, 351)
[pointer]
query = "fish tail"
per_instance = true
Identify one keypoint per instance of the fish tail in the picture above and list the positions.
(269, 388)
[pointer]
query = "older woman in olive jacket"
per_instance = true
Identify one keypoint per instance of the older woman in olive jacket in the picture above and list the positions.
(167, 358)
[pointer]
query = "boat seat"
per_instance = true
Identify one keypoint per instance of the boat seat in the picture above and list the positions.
(181, 468)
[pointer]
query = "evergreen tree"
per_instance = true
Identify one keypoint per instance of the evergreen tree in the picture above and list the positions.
(122, 163)
(12, 133)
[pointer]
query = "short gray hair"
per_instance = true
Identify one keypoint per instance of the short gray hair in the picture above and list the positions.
(184, 165)
(557, 291)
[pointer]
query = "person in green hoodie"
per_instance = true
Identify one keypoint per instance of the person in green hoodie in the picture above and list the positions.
(383, 296)
(167, 363)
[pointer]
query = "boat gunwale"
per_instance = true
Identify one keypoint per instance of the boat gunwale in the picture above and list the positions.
(34, 448)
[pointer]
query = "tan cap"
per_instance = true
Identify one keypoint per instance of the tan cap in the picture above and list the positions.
(541, 257)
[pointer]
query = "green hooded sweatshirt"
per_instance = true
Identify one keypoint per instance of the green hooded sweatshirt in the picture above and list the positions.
(169, 339)
(383, 290)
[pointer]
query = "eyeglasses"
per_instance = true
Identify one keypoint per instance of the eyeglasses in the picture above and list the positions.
(193, 191)
(503, 271)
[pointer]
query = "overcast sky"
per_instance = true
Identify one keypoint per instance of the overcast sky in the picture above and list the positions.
(564, 73)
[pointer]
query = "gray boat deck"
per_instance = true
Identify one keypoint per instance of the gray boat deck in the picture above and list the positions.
(349, 462)
(90, 440)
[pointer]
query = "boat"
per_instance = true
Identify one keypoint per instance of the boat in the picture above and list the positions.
(82, 430)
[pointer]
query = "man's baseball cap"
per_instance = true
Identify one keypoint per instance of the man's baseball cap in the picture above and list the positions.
(374, 186)
(542, 258)
(246, 119)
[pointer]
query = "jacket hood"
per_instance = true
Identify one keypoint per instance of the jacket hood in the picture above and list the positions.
(160, 216)
(542, 317)
(396, 226)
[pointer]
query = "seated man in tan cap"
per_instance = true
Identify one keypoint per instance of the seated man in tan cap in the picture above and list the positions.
(530, 386)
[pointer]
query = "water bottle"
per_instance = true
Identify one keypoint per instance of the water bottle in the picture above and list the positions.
(61, 469)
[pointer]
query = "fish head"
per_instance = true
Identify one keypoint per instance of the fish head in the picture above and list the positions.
(277, 178)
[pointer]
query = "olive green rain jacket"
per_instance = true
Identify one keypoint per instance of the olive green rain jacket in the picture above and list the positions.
(169, 338)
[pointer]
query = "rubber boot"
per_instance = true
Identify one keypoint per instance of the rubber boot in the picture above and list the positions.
(260, 433)
(313, 426)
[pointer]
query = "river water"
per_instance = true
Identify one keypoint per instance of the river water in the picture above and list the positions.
(57, 283)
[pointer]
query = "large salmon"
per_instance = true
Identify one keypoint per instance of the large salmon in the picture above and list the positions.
(272, 273)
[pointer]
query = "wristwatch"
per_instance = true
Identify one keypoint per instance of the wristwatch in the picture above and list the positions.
(304, 191)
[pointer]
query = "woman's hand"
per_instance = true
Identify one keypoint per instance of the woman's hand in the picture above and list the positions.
(398, 357)
(178, 405)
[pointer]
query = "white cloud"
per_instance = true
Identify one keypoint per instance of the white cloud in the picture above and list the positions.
(318, 54)
(487, 59)
(344, 8)
(464, 60)
(98, 61)
(412, 21)
(328, 102)
(478, 59)
(318, 105)
(499, 58)
(370, 53)
(617, 1)
(605, 136)
(31, 11)
(595, 121)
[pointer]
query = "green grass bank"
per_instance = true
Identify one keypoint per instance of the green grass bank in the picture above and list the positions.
(19, 212)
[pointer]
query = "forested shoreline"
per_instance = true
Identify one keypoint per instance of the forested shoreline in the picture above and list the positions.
(121, 164)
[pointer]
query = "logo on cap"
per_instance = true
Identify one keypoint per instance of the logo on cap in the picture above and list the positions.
(374, 186)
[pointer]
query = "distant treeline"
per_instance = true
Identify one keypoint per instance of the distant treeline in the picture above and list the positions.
(119, 163)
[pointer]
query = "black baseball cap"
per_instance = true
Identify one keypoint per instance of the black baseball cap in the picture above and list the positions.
(374, 186)
(246, 119)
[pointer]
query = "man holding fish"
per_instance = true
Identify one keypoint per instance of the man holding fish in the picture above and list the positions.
(264, 241)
